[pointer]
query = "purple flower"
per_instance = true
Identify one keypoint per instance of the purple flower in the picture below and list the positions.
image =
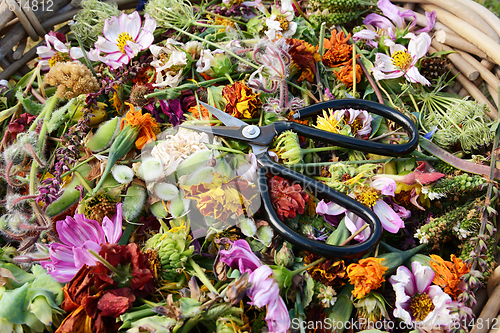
(392, 12)
(123, 39)
(172, 108)
(78, 235)
(419, 302)
(265, 289)
(240, 256)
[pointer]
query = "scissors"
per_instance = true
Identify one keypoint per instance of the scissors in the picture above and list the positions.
(259, 138)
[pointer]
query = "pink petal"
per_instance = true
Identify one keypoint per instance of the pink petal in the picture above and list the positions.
(423, 276)
(353, 223)
(75, 53)
(378, 21)
(384, 184)
(330, 208)
(149, 23)
(392, 12)
(83, 257)
(61, 252)
(277, 317)
(414, 76)
(388, 217)
(419, 46)
(45, 52)
(145, 39)
(113, 228)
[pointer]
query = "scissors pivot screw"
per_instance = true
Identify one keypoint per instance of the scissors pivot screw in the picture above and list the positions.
(251, 131)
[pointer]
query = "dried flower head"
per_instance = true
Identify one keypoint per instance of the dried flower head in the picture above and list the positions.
(330, 272)
(346, 74)
(366, 275)
(72, 79)
(144, 123)
(304, 58)
(289, 199)
(338, 52)
(241, 100)
(448, 274)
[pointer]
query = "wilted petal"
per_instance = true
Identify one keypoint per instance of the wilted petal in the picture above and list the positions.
(386, 185)
(392, 12)
(419, 46)
(240, 256)
(365, 34)
(431, 21)
(423, 276)
(378, 21)
(330, 208)
(388, 217)
(75, 232)
(277, 317)
(265, 289)
(113, 228)
(414, 76)
(82, 255)
(353, 223)
(75, 53)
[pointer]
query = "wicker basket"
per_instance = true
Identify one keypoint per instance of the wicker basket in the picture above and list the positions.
(477, 71)
(18, 23)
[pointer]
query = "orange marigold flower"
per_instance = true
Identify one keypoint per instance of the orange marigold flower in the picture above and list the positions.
(346, 76)
(241, 100)
(148, 128)
(338, 52)
(304, 57)
(366, 275)
(448, 274)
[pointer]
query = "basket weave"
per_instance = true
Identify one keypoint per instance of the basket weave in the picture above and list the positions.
(18, 23)
(477, 73)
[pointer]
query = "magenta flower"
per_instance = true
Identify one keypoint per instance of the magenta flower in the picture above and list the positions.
(78, 235)
(56, 51)
(417, 302)
(390, 220)
(422, 175)
(123, 39)
(265, 289)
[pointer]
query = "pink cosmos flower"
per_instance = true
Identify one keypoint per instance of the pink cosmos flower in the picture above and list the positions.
(123, 39)
(394, 20)
(390, 220)
(417, 302)
(265, 289)
(78, 235)
(56, 51)
(357, 119)
(402, 61)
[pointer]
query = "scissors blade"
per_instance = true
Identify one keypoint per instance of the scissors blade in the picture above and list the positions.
(226, 132)
(227, 119)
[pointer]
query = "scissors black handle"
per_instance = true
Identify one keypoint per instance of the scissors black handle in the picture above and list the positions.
(323, 191)
(350, 142)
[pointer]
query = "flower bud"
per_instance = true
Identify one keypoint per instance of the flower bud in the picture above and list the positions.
(284, 257)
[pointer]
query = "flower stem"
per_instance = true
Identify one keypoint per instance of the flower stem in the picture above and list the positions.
(145, 301)
(201, 275)
(350, 238)
(215, 45)
(83, 181)
(105, 262)
(229, 78)
(303, 90)
(313, 150)
(82, 163)
(230, 150)
(383, 160)
(314, 263)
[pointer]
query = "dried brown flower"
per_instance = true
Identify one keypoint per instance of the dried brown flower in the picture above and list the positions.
(304, 58)
(338, 52)
(345, 75)
(329, 272)
(72, 79)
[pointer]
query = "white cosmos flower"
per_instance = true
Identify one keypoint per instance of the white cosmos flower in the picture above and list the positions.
(402, 61)
(56, 51)
(169, 63)
(280, 24)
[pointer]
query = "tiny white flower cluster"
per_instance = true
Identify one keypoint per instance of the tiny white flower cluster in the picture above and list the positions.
(432, 195)
(461, 233)
(422, 237)
(328, 296)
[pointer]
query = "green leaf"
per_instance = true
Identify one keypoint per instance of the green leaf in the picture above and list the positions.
(46, 282)
(40, 292)
(308, 290)
(406, 166)
(21, 276)
(254, 25)
(339, 235)
(190, 307)
(32, 322)
(378, 125)
(368, 91)
(441, 53)
(42, 310)
(12, 304)
(341, 311)
(21, 84)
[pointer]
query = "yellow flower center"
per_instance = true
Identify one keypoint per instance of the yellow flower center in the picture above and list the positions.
(368, 196)
(421, 306)
(356, 125)
(164, 57)
(59, 57)
(123, 38)
(401, 59)
(283, 22)
(328, 123)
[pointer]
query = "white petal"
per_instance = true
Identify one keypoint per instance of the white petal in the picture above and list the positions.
(414, 76)
(75, 53)
(131, 24)
(111, 29)
(149, 23)
(419, 46)
(423, 276)
(155, 50)
(45, 52)
(397, 47)
(388, 217)
(145, 39)
(106, 46)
